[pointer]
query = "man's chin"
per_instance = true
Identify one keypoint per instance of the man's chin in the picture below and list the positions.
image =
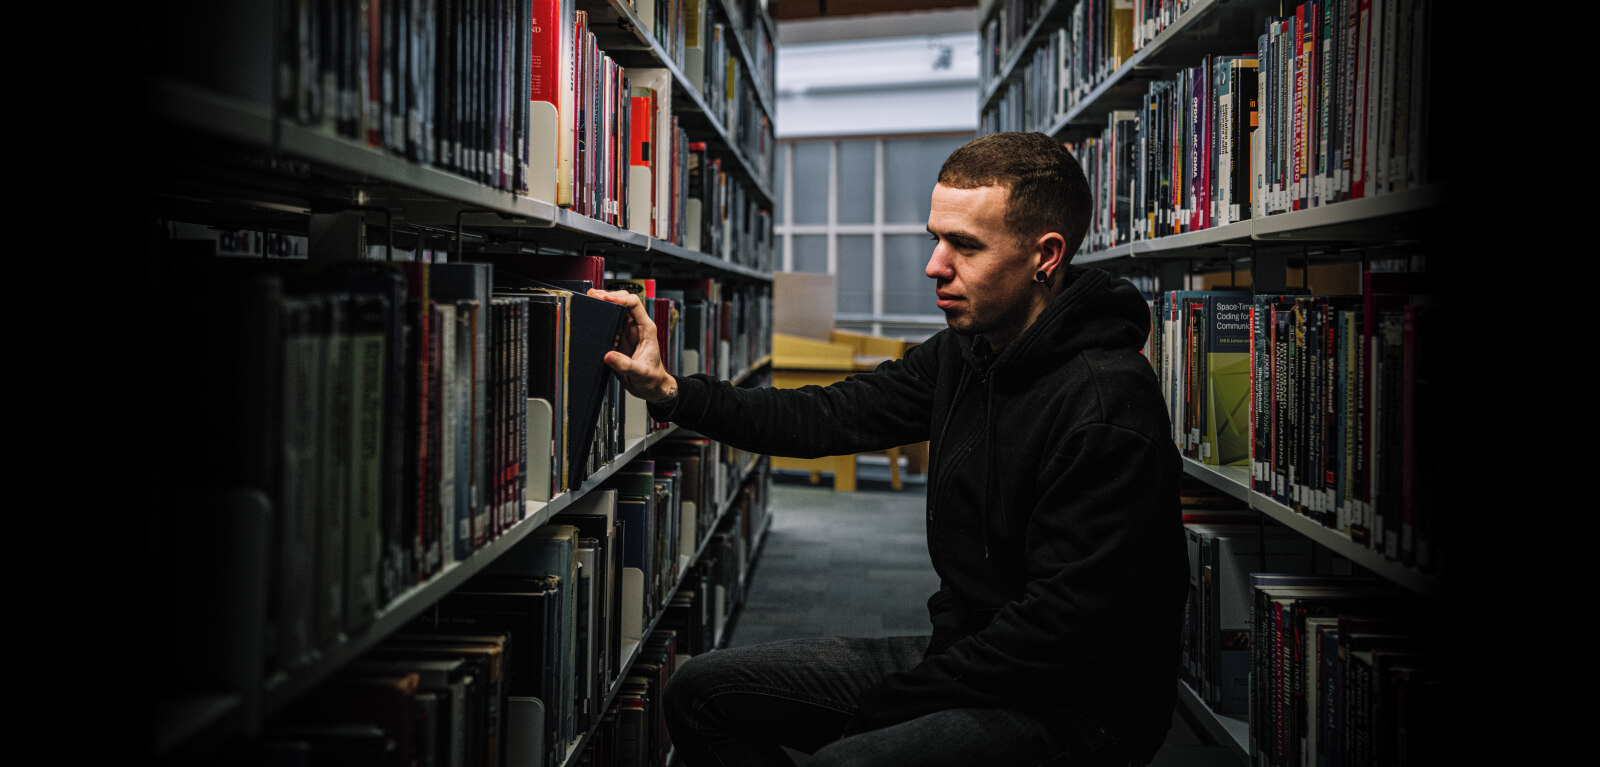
(960, 324)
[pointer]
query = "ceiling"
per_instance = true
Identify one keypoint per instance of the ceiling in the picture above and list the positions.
(791, 10)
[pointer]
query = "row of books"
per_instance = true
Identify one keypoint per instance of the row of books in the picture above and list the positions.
(1330, 401)
(520, 96)
(618, 116)
(448, 698)
(702, 610)
(1097, 38)
(748, 15)
(1344, 672)
(397, 417)
(703, 325)
(546, 649)
(730, 89)
(1010, 20)
(379, 409)
(1095, 42)
(620, 545)
(633, 732)
(1180, 163)
(702, 36)
(1152, 17)
(723, 217)
(440, 84)
(1227, 543)
(1030, 101)
(1344, 102)
(1262, 641)
(630, 167)
(1331, 107)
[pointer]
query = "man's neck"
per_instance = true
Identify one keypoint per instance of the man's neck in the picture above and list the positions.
(1000, 339)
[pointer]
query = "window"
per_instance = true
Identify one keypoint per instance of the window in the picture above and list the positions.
(857, 208)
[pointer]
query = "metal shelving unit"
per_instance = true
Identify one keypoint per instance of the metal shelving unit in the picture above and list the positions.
(223, 155)
(1402, 216)
(1235, 481)
(1343, 230)
(631, 653)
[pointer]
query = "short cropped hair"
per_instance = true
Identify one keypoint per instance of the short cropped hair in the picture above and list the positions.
(1047, 191)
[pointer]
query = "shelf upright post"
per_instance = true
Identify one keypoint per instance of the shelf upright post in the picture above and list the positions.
(388, 233)
(337, 236)
(1172, 274)
(1269, 272)
(461, 245)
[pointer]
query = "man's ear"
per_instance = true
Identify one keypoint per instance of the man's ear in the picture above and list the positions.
(1051, 248)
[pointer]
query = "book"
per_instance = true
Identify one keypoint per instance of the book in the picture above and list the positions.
(1227, 385)
(1282, 604)
(1223, 556)
(550, 551)
(654, 86)
(459, 699)
(467, 287)
(365, 718)
(593, 332)
(529, 612)
(594, 515)
(487, 655)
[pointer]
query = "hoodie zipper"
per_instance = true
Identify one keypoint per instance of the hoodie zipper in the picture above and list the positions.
(986, 379)
(983, 378)
(949, 458)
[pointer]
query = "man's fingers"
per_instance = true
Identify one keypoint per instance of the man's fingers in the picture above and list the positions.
(614, 296)
(619, 362)
(632, 303)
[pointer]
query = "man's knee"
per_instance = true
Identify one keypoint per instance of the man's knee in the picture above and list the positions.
(688, 682)
(696, 681)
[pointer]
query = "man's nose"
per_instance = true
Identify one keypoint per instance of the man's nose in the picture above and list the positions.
(938, 263)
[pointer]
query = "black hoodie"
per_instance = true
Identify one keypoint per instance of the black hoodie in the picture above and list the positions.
(1053, 518)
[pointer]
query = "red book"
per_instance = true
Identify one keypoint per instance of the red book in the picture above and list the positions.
(663, 317)
(641, 135)
(1208, 146)
(548, 268)
(372, 112)
(546, 55)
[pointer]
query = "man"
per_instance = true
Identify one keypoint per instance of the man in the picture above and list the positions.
(1052, 519)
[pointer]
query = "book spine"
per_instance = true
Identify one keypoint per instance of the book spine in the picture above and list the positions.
(334, 448)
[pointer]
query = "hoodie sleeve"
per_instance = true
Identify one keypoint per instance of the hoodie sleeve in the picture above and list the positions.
(885, 408)
(1104, 528)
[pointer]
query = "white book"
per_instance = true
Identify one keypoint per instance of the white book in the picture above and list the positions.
(450, 396)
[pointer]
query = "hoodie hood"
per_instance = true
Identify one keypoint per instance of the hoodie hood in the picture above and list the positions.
(1094, 310)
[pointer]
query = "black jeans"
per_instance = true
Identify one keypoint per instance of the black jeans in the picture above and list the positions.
(740, 707)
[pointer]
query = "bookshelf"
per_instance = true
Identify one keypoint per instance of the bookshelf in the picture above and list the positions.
(226, 154)
(1055, 66)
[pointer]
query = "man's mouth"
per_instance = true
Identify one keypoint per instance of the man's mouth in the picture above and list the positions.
(946, 300)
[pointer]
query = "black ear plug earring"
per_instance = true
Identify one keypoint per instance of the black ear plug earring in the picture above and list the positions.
(1044, 278)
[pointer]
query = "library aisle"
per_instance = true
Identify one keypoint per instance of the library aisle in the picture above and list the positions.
(856, 564)
(840, 564)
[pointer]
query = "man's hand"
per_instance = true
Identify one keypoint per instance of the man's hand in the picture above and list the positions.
(638, 365)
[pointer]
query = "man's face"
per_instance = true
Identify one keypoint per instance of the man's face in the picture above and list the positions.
(983, 275)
